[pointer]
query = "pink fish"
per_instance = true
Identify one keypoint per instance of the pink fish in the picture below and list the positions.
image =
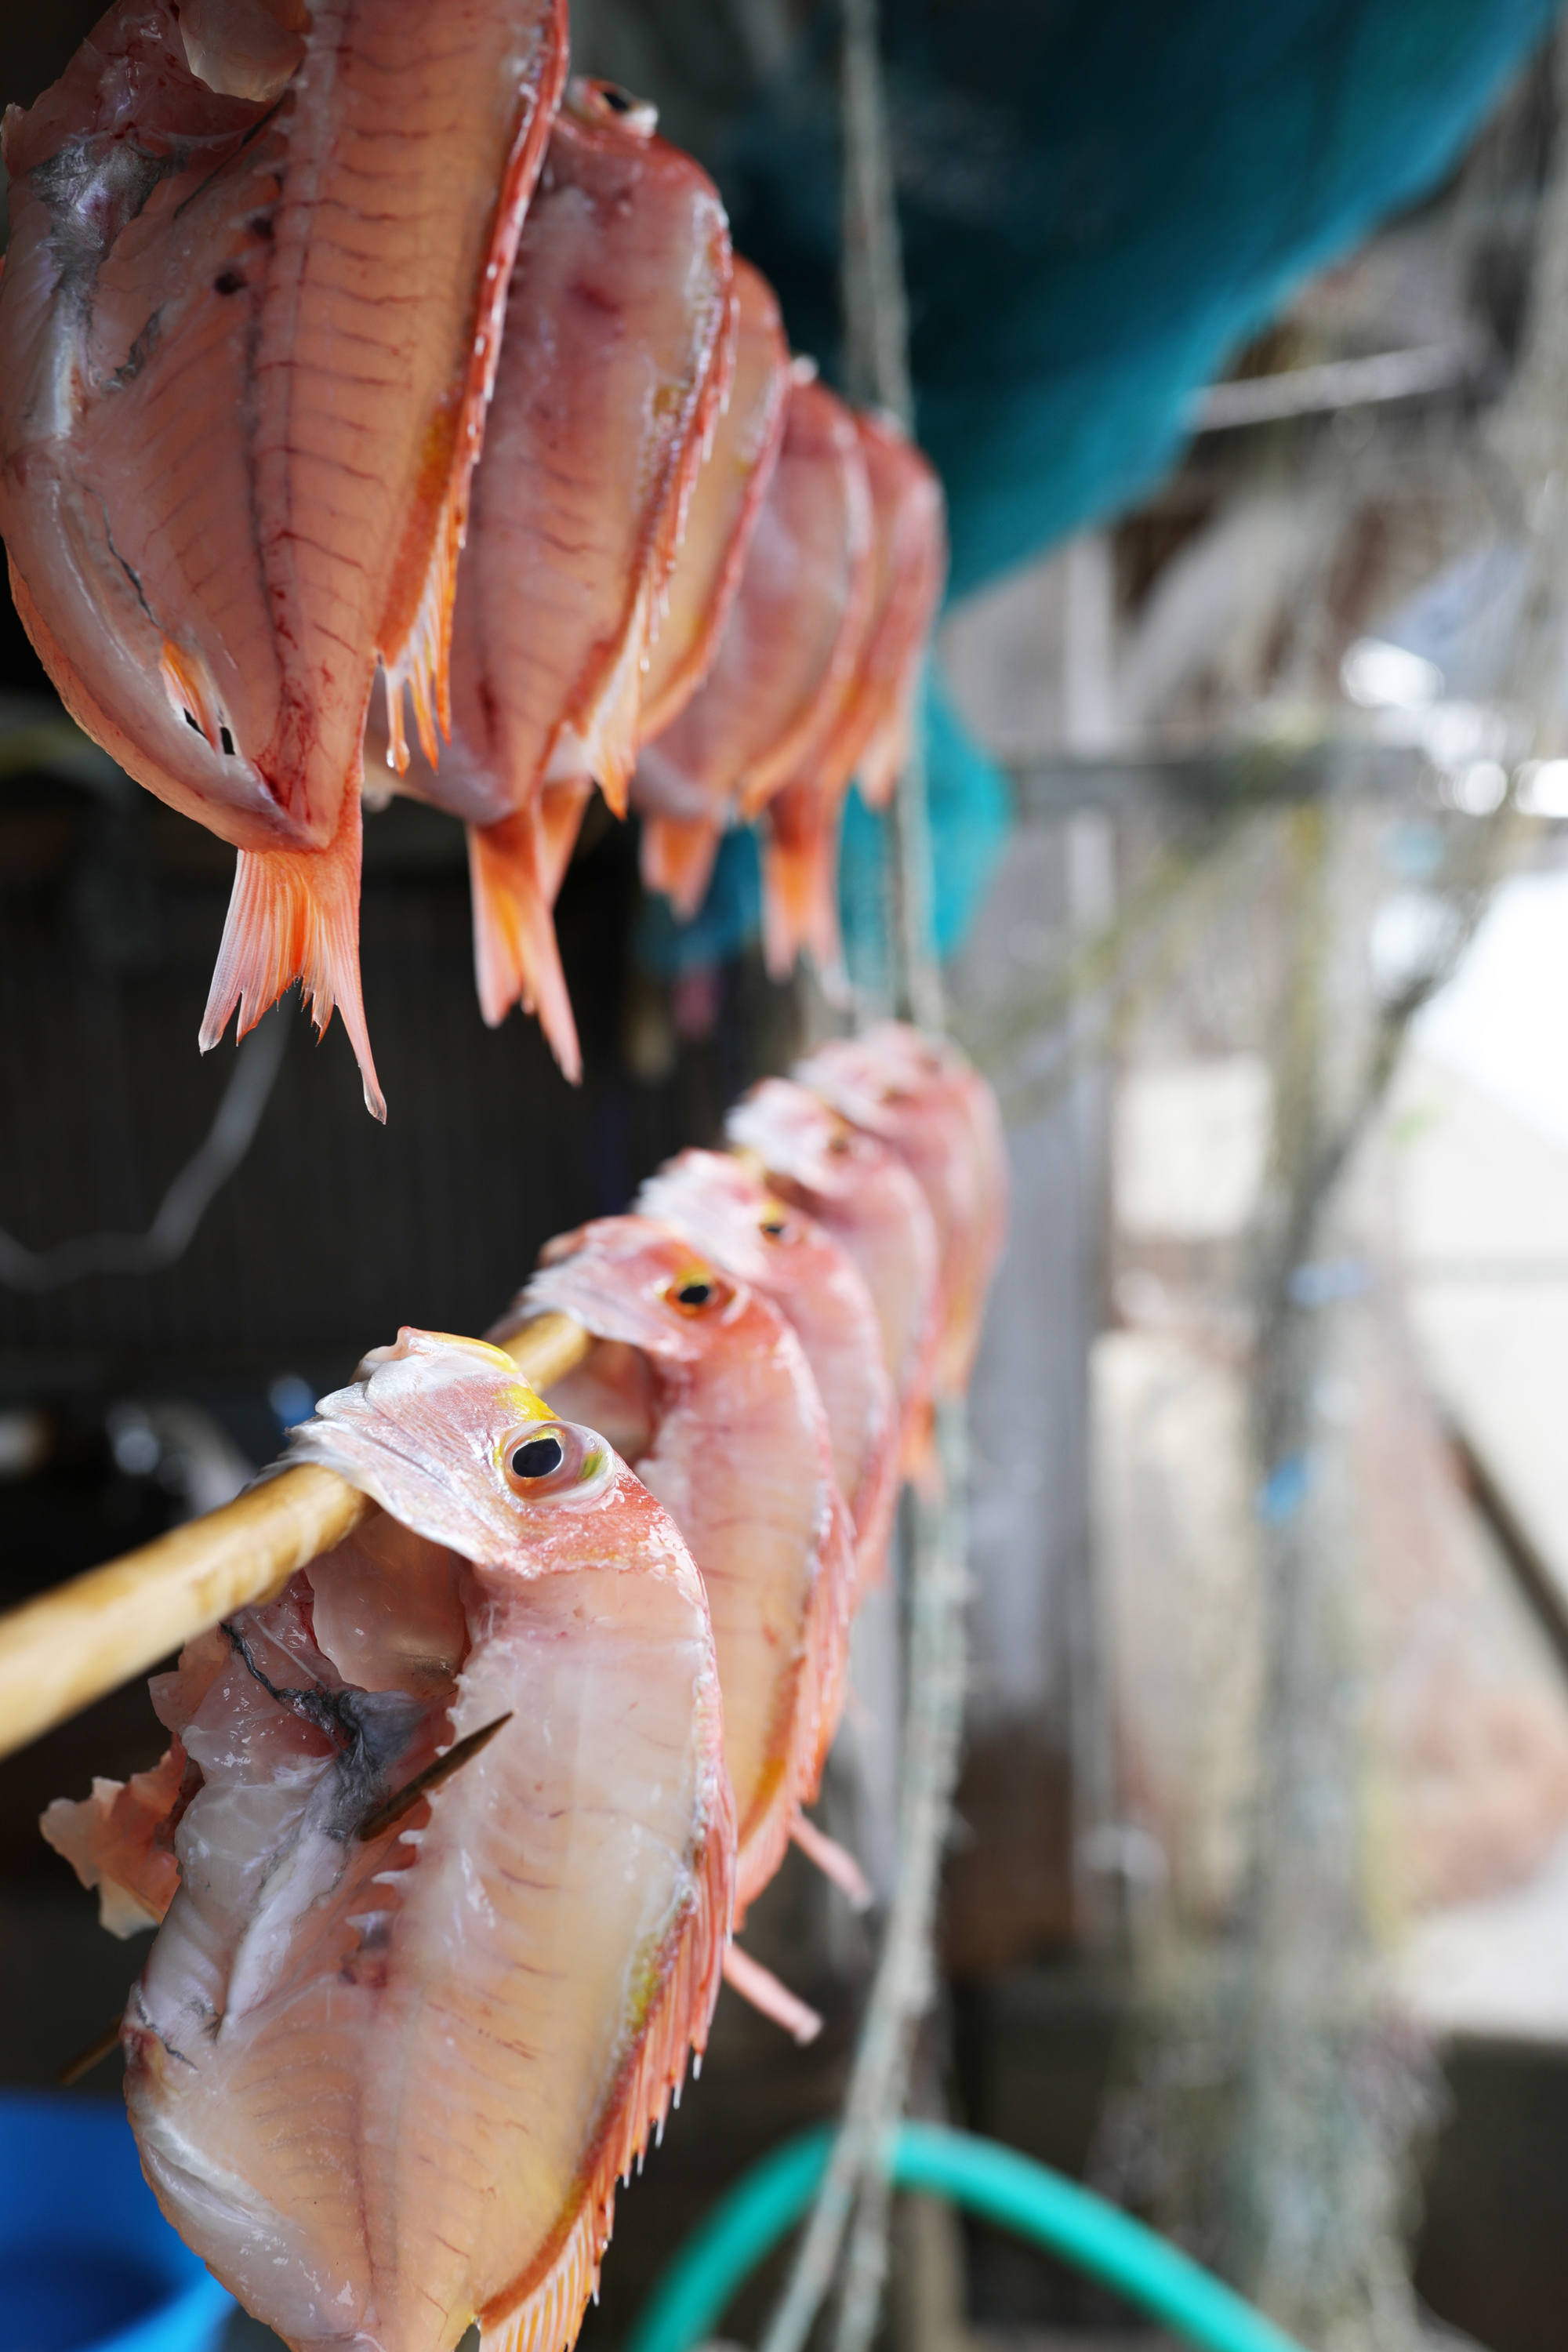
(922, 1098)
(724, 1211)
(616, 357)
(248, 326)
(788, 648)
(724, 507)
(705, 1388)
(870, 737)
(871, 1203)
(454, 1879)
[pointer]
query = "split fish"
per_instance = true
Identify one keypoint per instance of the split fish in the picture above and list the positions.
(869, 741)
(919, 1097)
(715, 1203)
(405, 2025)
(248, 325)
(618, 344)
(706, 1389)
(787, 651)
(861, 1192)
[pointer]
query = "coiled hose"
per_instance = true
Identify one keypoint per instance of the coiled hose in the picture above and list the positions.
(995, 2183)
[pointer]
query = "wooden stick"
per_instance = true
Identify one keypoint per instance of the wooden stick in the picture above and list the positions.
(69, 1648)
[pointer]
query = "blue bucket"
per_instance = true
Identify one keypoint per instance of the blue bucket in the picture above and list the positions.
(88, 2263)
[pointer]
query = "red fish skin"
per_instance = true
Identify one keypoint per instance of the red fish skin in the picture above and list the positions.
(861, 1192)
(738, 1450)
(790, 642)
(244, 351)
(405, 2185)
(923, 1099)
(869, 739)
(618, 347)
(715, 1203)
(725, 503)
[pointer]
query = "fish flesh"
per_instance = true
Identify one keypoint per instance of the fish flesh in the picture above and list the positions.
(248, 326)
(404, 2026)
(616, 355)
(788, 648)
(869, 741)
(716, 1203)
(920, 1096)
(705, 1389)
(724, 507)
(863, 1194)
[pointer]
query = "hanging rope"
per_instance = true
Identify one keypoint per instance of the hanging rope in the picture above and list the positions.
(855, 2181)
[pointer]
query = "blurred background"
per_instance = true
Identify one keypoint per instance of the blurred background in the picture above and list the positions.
(1240, 337)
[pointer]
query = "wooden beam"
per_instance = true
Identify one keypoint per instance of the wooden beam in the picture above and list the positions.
(71, 1646)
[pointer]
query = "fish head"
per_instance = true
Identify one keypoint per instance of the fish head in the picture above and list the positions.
(447, 1435)
(801, 1138)
(723, 1206)
(632, 1280)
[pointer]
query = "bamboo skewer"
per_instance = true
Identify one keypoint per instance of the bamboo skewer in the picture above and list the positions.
(71, 1646)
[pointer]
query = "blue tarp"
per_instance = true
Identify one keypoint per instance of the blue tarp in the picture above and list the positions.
(1099, 200)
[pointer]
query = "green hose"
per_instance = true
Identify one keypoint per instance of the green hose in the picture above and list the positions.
(996, 2182)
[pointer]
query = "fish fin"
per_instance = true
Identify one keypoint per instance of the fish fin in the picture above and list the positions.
(678, 854)
(415, 640)
(516, 958)
(561, 808)
(763, 1989)
(293, 916)
(835, 1861)
(601, 742)
(541, 2314)
(800, 881)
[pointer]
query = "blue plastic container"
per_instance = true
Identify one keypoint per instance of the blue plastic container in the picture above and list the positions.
(88, 2263)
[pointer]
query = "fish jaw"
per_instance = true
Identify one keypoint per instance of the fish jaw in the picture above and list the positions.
(742, 1459)
(789, 645)
(724, 505)
(616, 355)
(387, 2087)
(871, 1205)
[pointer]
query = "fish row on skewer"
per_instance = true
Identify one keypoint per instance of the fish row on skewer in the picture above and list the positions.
(278, 275)
(452, 1835)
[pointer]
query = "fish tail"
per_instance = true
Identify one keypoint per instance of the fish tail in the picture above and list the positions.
(516, 958)
(800, 881)
(678, 854)
(294, 915)
(561, 808)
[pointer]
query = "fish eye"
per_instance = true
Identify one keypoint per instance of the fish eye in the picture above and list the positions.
(537, 1457)
(698, 1292)
(776, 1229)
(605, 102)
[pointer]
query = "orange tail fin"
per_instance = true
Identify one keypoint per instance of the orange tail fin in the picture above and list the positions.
(516, 960)
(678, 857)
(294, 915)
(800, 881)
(561, 808)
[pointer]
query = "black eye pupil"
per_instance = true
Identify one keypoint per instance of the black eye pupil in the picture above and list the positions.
(695, 1294)
(774, 1228)
(616, 100)
(538, 1458)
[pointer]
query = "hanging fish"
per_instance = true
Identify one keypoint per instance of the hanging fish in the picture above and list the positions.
(617, 350)
(919, 1097)
(725, 1211)
(869, 741)
(248, 326)
(724, 507)
(454, 1879)
(705, 1389)
(788, 648)
(871, 1203)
